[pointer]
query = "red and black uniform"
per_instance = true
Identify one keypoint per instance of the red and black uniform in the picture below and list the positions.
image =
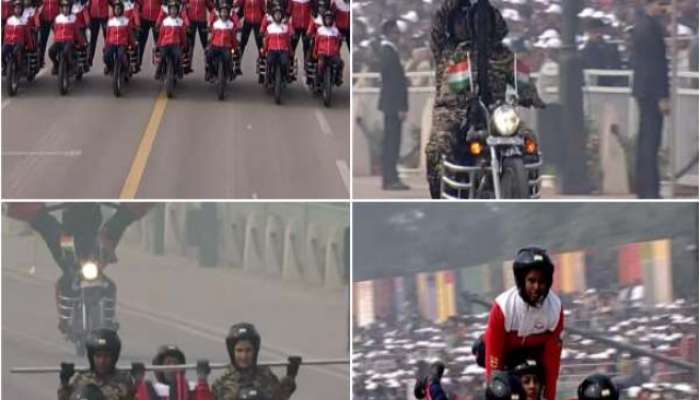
(99, 13)
(120, 36)
(83, 16)
(66, 34)
(47, 15)
(277, 46)
(197, 12)
(132, 12)
(223, 39)
(172, 39)
(149, 11)
(253, 14)
(327, 48)
(341, 9)
(515, 325)
(16, 37)
(180, 390)
(302, 14)
(313, 26)
(31, 15)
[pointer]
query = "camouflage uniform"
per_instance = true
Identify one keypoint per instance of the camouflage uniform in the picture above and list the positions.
(261, 378)
(119, 386)
(450, 108)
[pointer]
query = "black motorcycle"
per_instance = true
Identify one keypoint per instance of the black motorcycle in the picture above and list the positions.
(88, 301)
(168, 74)
(277, 79)
(21, 64)
(323, 80)
(224, 73)
(66, 71)
(123, 69)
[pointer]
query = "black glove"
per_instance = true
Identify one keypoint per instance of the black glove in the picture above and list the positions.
(138, 371)
(203, 369)
(67, 371)
(293, 366)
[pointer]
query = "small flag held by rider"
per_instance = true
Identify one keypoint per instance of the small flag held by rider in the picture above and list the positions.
(522, 72)
(459, 76)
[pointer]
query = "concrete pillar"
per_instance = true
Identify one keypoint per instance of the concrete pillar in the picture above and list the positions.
(252, 247)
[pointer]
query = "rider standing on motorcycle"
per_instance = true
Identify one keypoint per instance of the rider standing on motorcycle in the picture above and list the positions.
(528, 318)
(197, 11)
(149, 11)
(17, 34)
(277, 44)
(243, 345)
(253, 13)
(223, 39)
(173, 385)
(120, 36)
(66, 32)
(103, 348)
(598, 387)
(327, 46)
(341, 8)
(300, 11)
(49, 12)
(172, 38)
(453, 41)
(430, 386)
(99, 13)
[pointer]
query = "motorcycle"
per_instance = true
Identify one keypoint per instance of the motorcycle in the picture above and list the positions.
(498, 160)
(22, 64)
(67, 71)
(168, 76)
(323, 79)
(90, 301)
(225, 73)
(278, 79)
(123, 69)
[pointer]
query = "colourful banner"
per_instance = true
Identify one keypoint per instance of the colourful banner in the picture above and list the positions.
(446, 300)
(656, 258)
(364, 301)
(570, 272)
(427, 305)
(629, 264)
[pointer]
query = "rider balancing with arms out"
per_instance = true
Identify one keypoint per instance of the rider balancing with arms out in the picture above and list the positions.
(103, 348)
(527, 319)
(172, 385)
(243, 344)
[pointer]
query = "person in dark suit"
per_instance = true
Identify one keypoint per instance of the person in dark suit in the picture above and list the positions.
(598, 54)
(393, 102)
(650, 89)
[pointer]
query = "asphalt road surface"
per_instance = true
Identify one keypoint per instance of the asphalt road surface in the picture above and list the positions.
(169, 300)
(90, 144)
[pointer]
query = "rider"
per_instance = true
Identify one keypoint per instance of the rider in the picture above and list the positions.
(301, 11)
(327, 45)
(173, 385)
(277, 44)
(172, 38)
(99, 13)
(103, 348)
(49, 12)
(197, 13)
(528, 318)
(222, 39)
(66, 31)
(530, 373)
(120, 35)
(149, 11)
(341, 8)
(17, 34)
(243, 345)
(430, 386)
(253, 13)
(598, 387)
(505, 386)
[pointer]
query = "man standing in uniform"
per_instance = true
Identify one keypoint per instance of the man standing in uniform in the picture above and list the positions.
(393, 102)
(103, 348)
(243, 344)
(650, 89)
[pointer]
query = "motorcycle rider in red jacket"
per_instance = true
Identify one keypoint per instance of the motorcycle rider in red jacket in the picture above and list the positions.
(173, 385)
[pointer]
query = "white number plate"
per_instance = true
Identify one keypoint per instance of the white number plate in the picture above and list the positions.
(87, 284)
(497, 140)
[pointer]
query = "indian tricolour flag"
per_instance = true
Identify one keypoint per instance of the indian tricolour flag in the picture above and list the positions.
(459, 76)
(522, 73)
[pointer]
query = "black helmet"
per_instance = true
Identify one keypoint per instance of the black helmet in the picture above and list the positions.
(479, 351)
(530, 258)
(103, 340)
(505, 386)
(597, 387)
(88, 392)
(242, 331)
(528, 366)
(65, 3)
(164, 351)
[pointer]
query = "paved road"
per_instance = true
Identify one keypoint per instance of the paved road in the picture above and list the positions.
(166, 299)
(90, 144)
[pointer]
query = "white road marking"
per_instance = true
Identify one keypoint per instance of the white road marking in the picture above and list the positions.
(65, 153)
(344, 173)
(323, 122)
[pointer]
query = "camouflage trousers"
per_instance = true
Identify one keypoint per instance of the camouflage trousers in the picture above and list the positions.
(442, 141)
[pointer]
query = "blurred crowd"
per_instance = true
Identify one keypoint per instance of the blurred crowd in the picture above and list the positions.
(389, 354)
(534, 25)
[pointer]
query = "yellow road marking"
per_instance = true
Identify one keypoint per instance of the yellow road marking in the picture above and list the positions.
(138, 166)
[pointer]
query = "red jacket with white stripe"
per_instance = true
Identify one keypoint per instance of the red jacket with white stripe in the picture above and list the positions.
(314, 25)
(99, 9)
(17, 31)
(278, 37)
(150, 9)
(49, 10)
(120, 32)
(172, 32)
(514, 324)
(197, 9)
(66, 29)
(184, 390)
(82, 15)
(300, 10)
(342, 14)
(328, 41)
(163, 13)
(132, 12)
(224, 33)
(253, 11)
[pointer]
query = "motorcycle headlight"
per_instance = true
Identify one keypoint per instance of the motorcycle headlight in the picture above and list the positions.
(89, 270)
(506, 120)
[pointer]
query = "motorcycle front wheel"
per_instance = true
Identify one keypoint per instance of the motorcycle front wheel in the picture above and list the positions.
(169, 78)
(13, 75)
(278, 85)
(514, 179)
(63, 75)
(117, 77)
(221, 88)
(327, 86)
